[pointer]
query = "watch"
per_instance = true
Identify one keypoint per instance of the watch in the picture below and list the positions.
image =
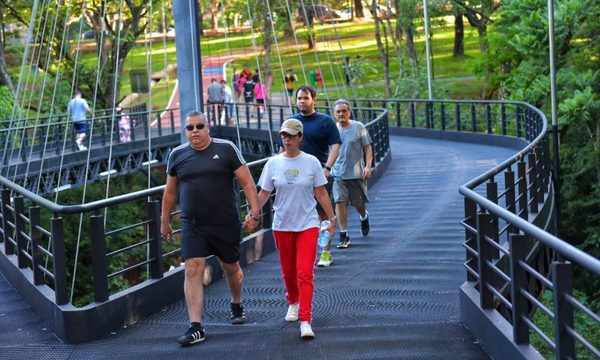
(334, 217)
(327, 167)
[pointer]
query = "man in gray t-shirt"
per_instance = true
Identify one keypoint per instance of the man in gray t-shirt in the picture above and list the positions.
(77, 108)
(215, 96)
(351, 171)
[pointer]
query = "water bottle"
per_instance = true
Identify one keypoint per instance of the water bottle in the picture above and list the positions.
(324, 235)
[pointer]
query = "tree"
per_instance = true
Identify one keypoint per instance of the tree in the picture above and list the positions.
(459, 35)
(479, 13)
(518, 61)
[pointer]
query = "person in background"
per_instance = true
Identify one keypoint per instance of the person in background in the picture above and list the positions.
(260, 93)
(351, 171)
(215, 99)
(124, 126)
(289, 80)
(76, 109)
(249, 91)
(200, 175)
(321, 139)
(298, 179)
(234, 82)
(228, 101)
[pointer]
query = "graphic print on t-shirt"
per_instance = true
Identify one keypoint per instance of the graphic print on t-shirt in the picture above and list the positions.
(291, 175)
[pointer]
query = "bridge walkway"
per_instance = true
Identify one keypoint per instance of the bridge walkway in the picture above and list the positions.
(391, 295)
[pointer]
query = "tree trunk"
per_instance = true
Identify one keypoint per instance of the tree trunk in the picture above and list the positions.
(382, 50)
(483, 41)
(412, 52)
(4, 75)
(358, 9)
(459, 36)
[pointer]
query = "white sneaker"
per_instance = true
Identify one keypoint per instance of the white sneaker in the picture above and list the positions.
(306, 330)
(292, 313)
(82, 147)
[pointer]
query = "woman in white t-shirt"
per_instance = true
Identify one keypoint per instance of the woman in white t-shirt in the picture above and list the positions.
(298, 179)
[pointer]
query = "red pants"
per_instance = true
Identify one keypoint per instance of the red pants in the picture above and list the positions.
(297, 251)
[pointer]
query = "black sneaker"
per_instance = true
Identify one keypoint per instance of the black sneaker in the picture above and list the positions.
(364, 225)
(344, 241)
(193, 335)
(237, 314)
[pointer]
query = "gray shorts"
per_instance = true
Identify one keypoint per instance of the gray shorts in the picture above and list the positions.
(201, 240)
(353, 191)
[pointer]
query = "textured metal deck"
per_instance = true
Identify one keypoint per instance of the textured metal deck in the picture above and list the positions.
(391, 295)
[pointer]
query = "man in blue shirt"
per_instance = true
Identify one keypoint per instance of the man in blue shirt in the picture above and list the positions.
(77, 108)
(322, 140)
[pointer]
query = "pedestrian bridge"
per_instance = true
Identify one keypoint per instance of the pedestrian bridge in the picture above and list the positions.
(453, 267)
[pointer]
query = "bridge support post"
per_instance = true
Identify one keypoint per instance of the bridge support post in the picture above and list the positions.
(189, 69)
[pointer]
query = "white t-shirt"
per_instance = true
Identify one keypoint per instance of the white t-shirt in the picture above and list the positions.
(295, 180)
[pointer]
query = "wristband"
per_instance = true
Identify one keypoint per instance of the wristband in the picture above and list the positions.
(327, 167)
(255, 219)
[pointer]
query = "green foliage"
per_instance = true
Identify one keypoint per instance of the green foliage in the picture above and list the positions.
(519, 65)
(6, 103)
(584, 325)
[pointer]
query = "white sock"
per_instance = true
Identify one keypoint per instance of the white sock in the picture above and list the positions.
(366, 216)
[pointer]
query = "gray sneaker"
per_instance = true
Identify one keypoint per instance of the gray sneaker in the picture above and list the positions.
(344, 241)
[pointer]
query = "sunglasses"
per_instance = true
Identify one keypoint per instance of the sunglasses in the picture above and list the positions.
(197, 126)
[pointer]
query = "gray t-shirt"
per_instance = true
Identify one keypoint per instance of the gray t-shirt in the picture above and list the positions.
(207, 193)
(350, 162)
(77, 108)
(215, 92)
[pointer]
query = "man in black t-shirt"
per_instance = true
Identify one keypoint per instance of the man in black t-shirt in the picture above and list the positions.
(200, 173)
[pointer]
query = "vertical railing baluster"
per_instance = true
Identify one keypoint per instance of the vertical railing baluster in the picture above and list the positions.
(19, 206)
(522, 189)
(488, 118)
(470, 238)
(562, 280)
(458, 120)
(412, 114)
(503, 118)
(4, 203)
(99, 260)
(518, 276)
(486, 253)
(509, 195)
(398, 114)
(443, 116)
(473, 118)
(532, 181)
(518, 121)
(158, 124)
(36, 238)
(59, 261)
(155, 249)
(492, 195)
(172, 122)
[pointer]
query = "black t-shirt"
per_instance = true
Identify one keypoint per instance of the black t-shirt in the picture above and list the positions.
(249, 90)
(207, 192)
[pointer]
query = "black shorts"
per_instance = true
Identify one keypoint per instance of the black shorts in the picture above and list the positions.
(201, 240)
(329, 188)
